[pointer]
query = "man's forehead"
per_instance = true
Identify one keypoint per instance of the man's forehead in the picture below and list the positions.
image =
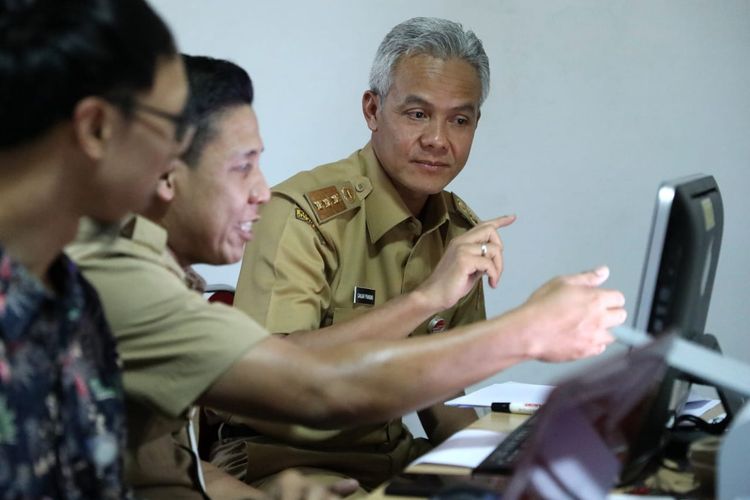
(235, 134)
(429, 80)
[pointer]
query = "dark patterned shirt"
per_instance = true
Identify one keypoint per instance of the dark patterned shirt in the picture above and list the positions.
(62, 424)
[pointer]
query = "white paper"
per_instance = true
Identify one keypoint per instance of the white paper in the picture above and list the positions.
(505, 392)
(698, 405)
(466, 448)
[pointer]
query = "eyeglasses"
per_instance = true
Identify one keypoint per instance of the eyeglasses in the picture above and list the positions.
(184, 128)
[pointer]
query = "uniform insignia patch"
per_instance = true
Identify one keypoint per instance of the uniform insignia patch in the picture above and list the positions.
(467, 212)
(347, 193)
(331, 201)
(300, 214)
(327, 202)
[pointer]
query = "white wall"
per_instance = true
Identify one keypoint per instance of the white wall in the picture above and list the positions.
(592, 104)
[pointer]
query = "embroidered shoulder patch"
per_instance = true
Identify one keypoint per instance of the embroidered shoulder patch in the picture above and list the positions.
(464, 209)
(300, 214)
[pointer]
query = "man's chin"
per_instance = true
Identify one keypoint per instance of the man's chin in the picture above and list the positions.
(232, 256)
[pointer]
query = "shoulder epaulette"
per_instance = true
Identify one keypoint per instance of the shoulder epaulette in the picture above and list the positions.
(330, 201)
(464, 210)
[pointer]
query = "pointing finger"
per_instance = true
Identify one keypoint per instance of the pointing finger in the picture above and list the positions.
(502, 221)
(594, 277)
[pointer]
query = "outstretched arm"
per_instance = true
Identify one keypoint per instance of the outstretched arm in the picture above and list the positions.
(359, 382)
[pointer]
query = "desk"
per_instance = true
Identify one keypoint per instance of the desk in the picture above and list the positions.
(504, 422)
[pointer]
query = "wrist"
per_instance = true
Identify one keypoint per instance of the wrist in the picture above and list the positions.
(524, 342)
(421, 304)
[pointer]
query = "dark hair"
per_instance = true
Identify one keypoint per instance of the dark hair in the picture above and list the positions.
(215, 85)
(53, 53)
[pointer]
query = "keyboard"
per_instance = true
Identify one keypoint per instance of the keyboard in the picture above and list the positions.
(502, 459)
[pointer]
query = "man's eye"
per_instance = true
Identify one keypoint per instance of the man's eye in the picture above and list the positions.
(418, 115)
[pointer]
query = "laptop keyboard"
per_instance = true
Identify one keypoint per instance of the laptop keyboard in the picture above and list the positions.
(503, 458)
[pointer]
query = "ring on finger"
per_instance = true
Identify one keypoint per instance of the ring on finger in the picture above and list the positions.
(483, 249)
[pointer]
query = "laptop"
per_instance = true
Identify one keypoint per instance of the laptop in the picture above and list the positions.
(582, 435)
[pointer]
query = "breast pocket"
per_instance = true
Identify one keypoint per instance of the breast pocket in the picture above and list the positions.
(341, 314)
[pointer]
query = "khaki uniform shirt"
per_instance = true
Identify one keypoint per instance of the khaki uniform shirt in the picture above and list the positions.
(173, 344)
(333, 230)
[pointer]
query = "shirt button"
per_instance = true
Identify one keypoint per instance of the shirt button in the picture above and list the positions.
(359, 187)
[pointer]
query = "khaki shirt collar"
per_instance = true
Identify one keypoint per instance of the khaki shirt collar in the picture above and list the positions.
(386, 209)
(150, 240)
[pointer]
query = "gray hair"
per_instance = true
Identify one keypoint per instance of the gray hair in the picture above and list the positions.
(436, 37)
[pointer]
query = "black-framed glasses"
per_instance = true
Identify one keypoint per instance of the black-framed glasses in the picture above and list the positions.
(184, 128)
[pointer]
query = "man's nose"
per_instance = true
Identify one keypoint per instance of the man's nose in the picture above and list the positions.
(260, 193)
(435, 135)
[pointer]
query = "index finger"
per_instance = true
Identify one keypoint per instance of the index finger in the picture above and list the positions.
(502, 221)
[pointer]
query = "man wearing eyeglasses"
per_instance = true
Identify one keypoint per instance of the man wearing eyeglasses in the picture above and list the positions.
(182, 125)
(76, 79)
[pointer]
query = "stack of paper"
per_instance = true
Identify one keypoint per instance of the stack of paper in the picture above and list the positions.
(506, 392)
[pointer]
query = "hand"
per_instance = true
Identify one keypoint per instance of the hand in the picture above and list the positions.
(571, 316)
(292, 485)
(463, 264)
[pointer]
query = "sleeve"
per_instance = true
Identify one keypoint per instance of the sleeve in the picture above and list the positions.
(284, 279)
(173, 343)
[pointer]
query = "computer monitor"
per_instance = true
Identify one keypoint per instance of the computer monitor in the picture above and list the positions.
(675, 293)
(625, 405)
(681, 259)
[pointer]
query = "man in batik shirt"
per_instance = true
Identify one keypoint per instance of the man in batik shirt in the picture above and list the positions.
(91, 96)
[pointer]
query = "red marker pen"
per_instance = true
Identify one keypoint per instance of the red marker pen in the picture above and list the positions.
(514, 407)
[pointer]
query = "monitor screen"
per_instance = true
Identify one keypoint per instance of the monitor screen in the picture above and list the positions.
(675, 292)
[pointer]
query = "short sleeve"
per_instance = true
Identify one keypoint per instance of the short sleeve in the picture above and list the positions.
(173, 343)
(283, 282)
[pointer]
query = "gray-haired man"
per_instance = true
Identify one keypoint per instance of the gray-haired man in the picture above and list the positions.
(349, 236)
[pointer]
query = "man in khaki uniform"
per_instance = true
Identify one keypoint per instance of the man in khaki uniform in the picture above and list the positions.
(178, 350)
(336, 267)
(350, 236)
(172, 342)
(168, 359)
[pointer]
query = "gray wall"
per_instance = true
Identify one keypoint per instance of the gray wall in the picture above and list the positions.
(593, 103)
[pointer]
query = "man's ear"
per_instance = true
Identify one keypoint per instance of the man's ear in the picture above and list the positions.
(165, 189)
(370, 108)
(92, 125)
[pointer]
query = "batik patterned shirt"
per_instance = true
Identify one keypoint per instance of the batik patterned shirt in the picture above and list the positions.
(62, 423)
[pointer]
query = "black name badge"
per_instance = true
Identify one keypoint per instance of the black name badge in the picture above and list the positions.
(364, 295)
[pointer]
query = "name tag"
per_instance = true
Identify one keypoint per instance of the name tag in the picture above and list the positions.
(364, 295)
